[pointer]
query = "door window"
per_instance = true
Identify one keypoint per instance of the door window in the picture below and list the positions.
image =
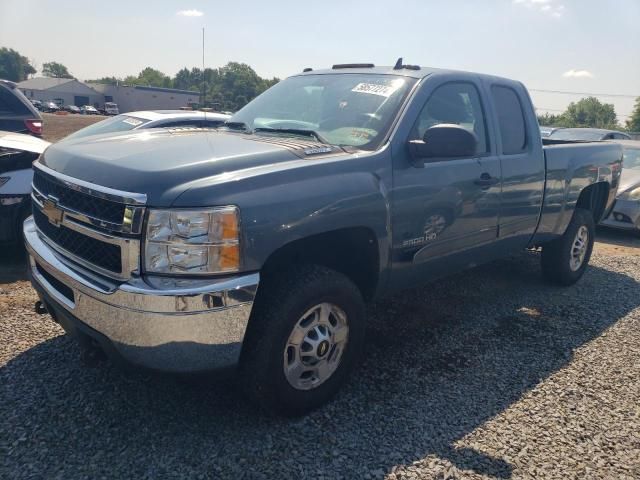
(454, 103)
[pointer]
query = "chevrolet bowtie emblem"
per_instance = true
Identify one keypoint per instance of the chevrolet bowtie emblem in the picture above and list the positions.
(53, 213)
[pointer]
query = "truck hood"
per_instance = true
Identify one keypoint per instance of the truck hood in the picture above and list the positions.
(162, 163)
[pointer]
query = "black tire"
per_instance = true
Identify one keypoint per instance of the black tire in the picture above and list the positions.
(557, 255)
(281, 302)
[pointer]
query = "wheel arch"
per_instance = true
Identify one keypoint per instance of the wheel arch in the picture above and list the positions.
(352, 251)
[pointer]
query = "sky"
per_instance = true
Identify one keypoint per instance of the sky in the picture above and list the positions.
(584, 46)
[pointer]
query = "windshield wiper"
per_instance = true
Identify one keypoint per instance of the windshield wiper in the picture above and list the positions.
(294, 131)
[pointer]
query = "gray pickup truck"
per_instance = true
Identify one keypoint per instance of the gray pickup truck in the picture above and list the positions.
(254, 247)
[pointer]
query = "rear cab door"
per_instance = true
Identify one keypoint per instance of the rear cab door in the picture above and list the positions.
(521, 162)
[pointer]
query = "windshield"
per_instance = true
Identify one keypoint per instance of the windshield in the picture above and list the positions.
(121, 123)
(631, 158)
(344, 109)
(575, 134)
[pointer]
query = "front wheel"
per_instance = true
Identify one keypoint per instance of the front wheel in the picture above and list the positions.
(565, 260)
(305, 335)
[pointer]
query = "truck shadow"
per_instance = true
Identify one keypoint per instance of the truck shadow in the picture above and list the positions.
(439, 362)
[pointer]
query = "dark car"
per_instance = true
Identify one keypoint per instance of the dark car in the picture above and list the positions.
(587, 134)
(71, 109)
(17, 113)
(36, 103)
(50, 107)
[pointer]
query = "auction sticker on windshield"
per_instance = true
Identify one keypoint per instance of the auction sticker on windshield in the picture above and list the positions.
(375, 89)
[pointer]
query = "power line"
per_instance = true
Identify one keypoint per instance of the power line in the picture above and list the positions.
(619, 95)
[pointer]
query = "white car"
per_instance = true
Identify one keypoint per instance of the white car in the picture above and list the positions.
(17, 152)
(153, 119)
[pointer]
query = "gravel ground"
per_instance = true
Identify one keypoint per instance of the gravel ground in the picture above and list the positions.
(489, 374)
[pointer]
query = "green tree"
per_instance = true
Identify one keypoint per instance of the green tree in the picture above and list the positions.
(14, 66)
(149, 77)
(55, 70)
(589, 112)
(549, 119)
(106, 80)
(633, 124)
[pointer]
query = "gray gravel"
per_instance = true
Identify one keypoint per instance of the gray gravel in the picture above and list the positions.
(490, 374)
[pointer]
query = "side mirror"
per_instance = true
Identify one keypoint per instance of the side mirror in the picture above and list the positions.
(441, 142)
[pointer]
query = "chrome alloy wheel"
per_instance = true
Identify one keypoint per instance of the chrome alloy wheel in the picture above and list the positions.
(315, 346)
(579, 248)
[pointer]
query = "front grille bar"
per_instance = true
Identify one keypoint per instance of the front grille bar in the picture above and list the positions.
(100, 230)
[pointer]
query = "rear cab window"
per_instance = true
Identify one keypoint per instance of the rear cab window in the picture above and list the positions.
(511, 123)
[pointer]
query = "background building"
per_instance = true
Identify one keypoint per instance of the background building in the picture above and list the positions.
(68, 91)
(136, 97)
(64, 91)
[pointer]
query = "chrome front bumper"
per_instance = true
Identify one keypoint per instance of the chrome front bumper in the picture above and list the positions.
(162, 324)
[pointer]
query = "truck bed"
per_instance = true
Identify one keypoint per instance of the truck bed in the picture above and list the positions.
(572, 166)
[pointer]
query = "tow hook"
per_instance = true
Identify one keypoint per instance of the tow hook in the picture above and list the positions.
(40, 308)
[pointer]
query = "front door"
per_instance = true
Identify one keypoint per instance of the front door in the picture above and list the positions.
(445, 215)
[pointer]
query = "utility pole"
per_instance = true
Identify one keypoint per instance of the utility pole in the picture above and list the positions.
(202, 100)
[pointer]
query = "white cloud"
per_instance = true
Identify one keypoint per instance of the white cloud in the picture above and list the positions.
(190, 13)
(577, 74)
(548, 7)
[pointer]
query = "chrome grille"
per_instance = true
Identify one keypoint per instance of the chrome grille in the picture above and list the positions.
(81, 202)
(95, 226)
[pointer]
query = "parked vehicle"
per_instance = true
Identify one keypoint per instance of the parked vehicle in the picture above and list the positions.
(36, 103)
(152, 119)
(50, 107)
(546, 131)
(625, 214)
(256, 246)
(587, 134)
(17, 113)
(111, 108)
(17, 152)
(71, 109)
(89, 110)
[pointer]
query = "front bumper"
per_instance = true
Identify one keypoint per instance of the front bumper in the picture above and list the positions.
(162, 324)
(624, 215)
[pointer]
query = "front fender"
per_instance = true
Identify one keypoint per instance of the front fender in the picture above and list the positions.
(299, 199)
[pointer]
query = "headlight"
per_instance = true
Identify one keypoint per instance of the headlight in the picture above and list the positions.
(193, 241)
(633, 194)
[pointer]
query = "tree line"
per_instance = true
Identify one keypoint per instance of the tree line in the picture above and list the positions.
(226, 88)
(590, 112)
(234, 85)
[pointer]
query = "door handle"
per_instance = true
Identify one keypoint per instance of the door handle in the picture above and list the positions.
(486, 180)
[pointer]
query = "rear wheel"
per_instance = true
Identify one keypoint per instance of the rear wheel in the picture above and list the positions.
(305, 335)
(565, 260)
